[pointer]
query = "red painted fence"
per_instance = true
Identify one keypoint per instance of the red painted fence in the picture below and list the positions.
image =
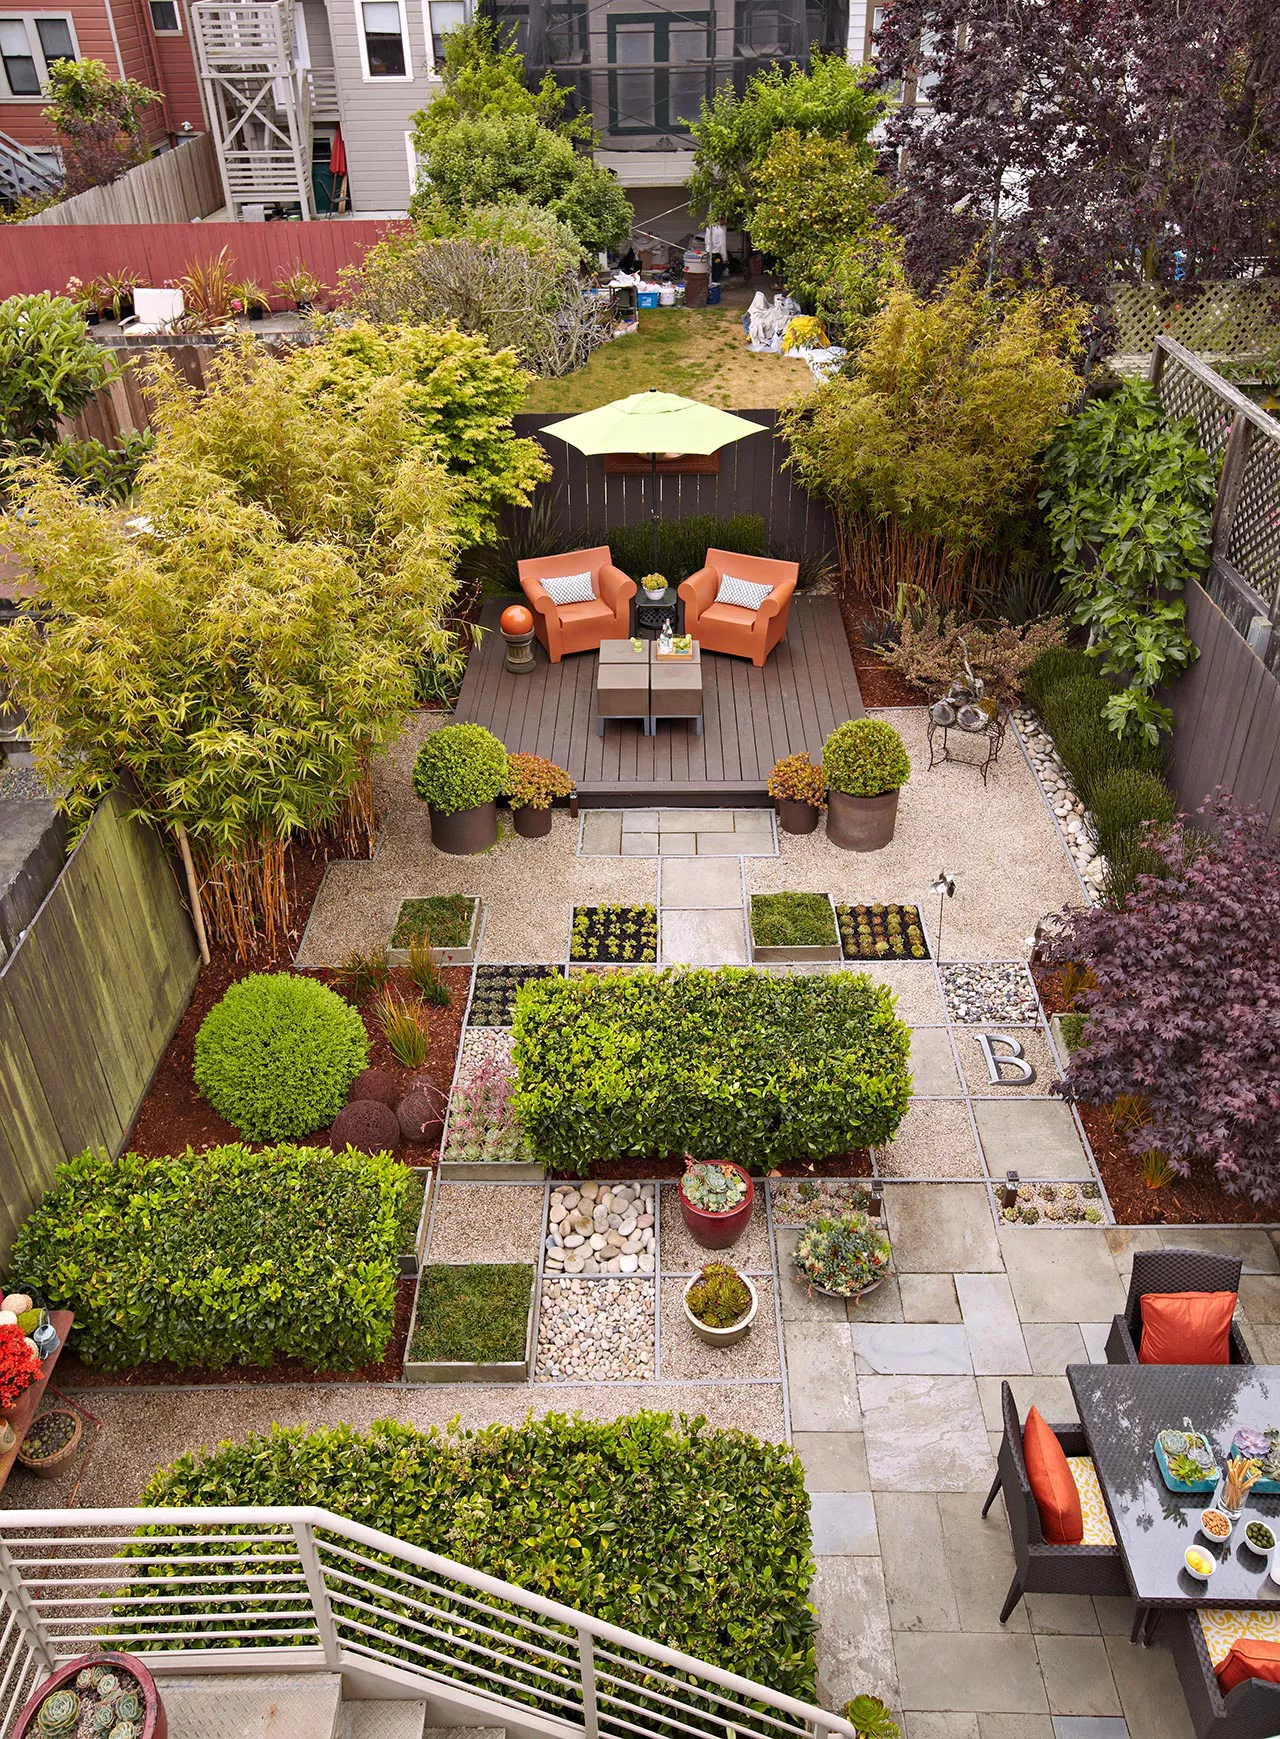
(42, 258)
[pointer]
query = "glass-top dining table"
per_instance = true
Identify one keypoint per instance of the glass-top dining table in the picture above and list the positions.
(1122, 1408)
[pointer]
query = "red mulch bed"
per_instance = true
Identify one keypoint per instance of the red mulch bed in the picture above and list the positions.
(1198, 1200)
(878, 685)
(75, 1375)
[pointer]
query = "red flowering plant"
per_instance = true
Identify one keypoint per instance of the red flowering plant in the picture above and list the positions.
(19, 1365)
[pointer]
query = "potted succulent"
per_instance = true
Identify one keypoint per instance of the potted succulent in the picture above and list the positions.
(843, 1255)
(51, 1442)
(866, 764)
(108, 1692)
(533, 785)
(800, 791)
(720, 1304)
(653, 586)
(459, 773)
(19, 1363)
(716, 1198)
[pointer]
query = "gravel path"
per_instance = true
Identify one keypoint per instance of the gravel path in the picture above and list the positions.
(486, 1222)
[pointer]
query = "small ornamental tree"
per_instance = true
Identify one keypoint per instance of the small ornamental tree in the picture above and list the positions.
(1186, 1009)
(98, 120)
(49, 368)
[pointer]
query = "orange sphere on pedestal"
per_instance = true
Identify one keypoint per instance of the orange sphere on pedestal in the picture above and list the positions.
(516, 619)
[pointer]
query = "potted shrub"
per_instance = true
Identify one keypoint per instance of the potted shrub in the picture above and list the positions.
(716, 1198)
(720, 1304)
(843, 1255)
(301, 287)
(866, 764)
(654, 587)
(459, 773)
(800, 791)
(533, 785)
(251, 298)
(50, 1443)
(19, 1364)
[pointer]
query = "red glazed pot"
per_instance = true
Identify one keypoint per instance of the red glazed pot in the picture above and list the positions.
(154, 1722)
(716, 1231)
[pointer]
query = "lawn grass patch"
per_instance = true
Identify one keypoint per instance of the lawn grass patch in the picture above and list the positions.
(477, 1313)
(445, 918)
(411, 1209)
(792, 920)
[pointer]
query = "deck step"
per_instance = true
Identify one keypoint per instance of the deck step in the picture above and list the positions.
(382, 1720)
(260, 1706)
(465, 1733)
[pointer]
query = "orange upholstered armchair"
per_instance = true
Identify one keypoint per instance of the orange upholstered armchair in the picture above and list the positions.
(578, 627)
(730, 628)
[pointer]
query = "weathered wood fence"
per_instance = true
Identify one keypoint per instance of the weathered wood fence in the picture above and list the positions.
(88, 1001)
(749, 476)
(122, 406)
(174, 187)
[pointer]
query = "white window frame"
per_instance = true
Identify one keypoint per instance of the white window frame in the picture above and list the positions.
(28, 21)
(400, 78)
(155, 28)
(433, 67)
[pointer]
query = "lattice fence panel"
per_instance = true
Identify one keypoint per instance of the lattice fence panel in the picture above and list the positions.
(1234, 319)
(1183, 395)
(1254, 547)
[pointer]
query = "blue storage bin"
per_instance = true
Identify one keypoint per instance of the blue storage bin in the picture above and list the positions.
(713, 295)
(647, 299)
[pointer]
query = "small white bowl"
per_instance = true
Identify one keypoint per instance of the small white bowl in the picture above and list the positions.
(1200, 1575)
(1216, 1539)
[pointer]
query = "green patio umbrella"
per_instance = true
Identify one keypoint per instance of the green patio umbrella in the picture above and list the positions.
(659, 424)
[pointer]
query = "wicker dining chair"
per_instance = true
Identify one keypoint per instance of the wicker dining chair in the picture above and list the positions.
(1250, 1711)
(1040, 1566)
(1172, 1271)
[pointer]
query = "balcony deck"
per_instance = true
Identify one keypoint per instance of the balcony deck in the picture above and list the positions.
(750, 717)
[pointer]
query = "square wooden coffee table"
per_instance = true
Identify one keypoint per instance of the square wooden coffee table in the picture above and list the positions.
(675, 687)
(622, 683)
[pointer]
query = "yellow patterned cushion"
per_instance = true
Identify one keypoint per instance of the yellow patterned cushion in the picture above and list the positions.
(1093, 1510)
(1222, 1626)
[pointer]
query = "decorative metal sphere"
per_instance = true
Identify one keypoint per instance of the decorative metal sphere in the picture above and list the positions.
(516, 619)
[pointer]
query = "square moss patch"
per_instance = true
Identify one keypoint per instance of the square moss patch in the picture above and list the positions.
(477, 1313)
(443, 919)
(792, 920)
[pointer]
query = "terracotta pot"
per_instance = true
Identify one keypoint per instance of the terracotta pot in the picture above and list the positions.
(52, 1465)
(467, 832)
(716, 1231)
(722, 1337)
(155, 1724)
(796, 817)
(531, 823)
(861, 823)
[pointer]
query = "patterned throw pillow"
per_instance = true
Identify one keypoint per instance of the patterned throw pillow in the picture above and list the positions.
(746, 594)
(569, 589)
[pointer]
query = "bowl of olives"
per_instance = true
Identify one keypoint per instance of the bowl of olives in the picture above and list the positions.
(1260, 1538)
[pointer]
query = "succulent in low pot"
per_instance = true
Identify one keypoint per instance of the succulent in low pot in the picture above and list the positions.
(51, 1442)
(459, 773)
(533, 785)
(653, 586)
(843, 1255)
(720, 1304)
(866, 764)
(799, 788)
(716, 1198)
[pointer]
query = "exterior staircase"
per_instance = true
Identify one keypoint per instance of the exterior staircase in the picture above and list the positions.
(23, 175)
(294, 1706)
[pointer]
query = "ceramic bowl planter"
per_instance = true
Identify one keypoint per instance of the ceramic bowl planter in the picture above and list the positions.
(866, 764)
(736, 1331)
(843, 1255)
(120, 1674)
(716, 1228)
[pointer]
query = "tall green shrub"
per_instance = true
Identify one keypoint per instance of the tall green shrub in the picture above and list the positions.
(49, 368)
(220, 1258)
(694, 1537)
(749, 1066)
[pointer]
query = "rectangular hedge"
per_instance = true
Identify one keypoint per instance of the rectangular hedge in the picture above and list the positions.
(222, 1257)
(755, 1067)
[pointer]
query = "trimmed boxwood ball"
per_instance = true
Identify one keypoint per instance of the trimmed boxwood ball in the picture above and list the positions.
(459, 767)
(421, 1115)
(375, 1084)
(367, 1125)
(277, 1055)
(865, 758)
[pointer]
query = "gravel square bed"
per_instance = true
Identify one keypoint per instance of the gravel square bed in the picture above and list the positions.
(682, 1254)
(493, 1001)
(483, 1045)
(799, 1204)
(685, 1357)
(601, 1228)
(486, 1222)
(1035, 1049)
(989, 991)
(595, 1331)
(934, 1139)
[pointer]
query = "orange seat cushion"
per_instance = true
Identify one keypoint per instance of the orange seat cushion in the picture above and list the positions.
(729, 616)
(1186, 1328)
(1052, 1485)
(592, 612)
(1249, 1659)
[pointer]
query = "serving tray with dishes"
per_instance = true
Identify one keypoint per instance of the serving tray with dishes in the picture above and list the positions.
(1186, 1459)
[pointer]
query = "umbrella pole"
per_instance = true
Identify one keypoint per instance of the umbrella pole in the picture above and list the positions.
(653, 459)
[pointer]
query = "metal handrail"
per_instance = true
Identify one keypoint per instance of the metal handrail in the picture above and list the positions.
(570, 1672)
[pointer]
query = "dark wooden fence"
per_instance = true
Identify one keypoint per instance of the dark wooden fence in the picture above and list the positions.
(88, 1001)
(751, 477)
(1226, 716)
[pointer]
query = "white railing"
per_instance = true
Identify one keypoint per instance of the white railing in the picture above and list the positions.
(250, 1589)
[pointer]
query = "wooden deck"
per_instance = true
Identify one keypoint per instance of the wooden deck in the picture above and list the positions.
(750, 717)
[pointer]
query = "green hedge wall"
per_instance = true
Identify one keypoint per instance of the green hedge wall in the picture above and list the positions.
(756, 1067)
(693, 1537)
(222, 1257)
